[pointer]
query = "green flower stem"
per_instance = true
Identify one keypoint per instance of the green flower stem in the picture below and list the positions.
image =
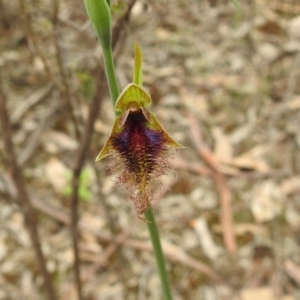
(149, 216)
(160, 260)
(100, 16)
(111, 74)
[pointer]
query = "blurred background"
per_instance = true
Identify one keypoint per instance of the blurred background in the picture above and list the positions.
(225, 83)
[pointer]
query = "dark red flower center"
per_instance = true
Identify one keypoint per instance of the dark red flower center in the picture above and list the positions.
(138, 145)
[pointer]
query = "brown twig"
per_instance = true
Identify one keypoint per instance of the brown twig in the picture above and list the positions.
(34, 139)
(121, 23)
(83, 150)
(172, 252)
(33, 100)
(79, 161)
(62, 85)
(31, 38)
(28, 211)
(66, 94)
(103, 259)
(221, 184)
(193, 167)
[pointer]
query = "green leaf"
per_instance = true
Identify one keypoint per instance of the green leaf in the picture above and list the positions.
(133, 96)
(84, 185)
(84, 194)
(87, 86)
(99, 14)
(235, 3)
(67, 190)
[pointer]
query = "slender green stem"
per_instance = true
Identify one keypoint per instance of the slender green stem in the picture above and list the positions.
(157, 249)
(111, 74)
(235, 4)
(152, 227)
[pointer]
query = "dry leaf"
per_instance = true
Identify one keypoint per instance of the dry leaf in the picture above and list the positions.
(290, 185)
(294, 103)
(55, 142)
(244, 228)
(223, 149)
(266, 201)
(292, 216)
(206, 241)
(196, 103)
(242, 132)
(253, 160)
(293, 270)
(294, 27)
(56, 173)
(263, 293)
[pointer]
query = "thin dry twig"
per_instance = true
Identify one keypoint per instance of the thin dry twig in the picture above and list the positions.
(83, 149)
(31, 38)
(222, 187)
(77, 169)
(103, 259)
(293, 78)
(193, 167)
(292, 270)
(172, 252)
(35, 99)
(121, 23)
(66, 94)
(24, 200)
(34, 139)
(79, 161)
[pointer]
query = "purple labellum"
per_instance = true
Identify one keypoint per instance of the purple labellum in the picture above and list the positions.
(138, 146)
(141, 152)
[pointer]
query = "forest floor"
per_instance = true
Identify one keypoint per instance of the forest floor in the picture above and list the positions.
(225, 83)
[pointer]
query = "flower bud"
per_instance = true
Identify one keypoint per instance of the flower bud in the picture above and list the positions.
(99, 14)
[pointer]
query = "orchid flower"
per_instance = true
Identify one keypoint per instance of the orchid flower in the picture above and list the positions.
(138, 144)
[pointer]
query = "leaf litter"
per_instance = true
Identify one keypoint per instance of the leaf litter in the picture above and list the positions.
(235, 71)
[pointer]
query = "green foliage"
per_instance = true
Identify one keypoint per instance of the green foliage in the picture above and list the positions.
(238, 20)
(84, 185)
(99, 15)
(235, 3)
(118, 8)
(43, 26)
(87, 85)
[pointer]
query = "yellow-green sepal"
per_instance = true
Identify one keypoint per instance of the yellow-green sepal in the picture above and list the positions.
(137, 70)
(155, 125)
(133, 97)
(108, 147)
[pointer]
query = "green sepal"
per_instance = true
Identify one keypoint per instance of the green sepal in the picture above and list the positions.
(100, 17)
(137, 71)
(155, 125)
(108, 148)
(151, 123)
(132, 97)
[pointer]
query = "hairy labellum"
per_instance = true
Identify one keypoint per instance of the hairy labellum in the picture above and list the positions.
(138, 145)
(142, 152)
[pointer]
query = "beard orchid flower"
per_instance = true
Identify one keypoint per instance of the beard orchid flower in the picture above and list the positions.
(138, 144)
